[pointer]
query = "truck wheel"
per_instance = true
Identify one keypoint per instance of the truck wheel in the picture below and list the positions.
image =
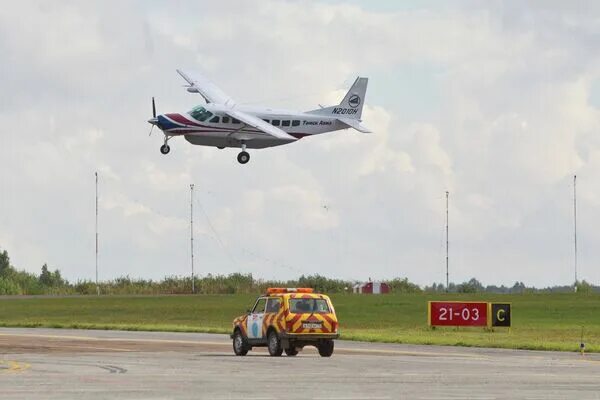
(325, 348)
(274, 344)
(292, 351)
(240, 344)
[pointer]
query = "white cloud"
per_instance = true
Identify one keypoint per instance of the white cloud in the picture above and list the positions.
(511, 123)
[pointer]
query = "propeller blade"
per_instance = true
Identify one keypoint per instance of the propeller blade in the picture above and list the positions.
(153, 108)
(150, 134)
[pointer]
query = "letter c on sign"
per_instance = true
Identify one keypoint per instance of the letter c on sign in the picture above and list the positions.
(500, 318)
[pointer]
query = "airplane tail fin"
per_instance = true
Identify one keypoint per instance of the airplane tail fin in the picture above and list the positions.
(352, 104)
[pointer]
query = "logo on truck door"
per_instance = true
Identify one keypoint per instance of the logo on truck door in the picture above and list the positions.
(255, 326)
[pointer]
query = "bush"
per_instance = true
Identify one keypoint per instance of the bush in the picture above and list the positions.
(398, 285)
(8, 287)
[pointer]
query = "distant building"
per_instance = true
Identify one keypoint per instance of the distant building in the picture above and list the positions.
(371, 288)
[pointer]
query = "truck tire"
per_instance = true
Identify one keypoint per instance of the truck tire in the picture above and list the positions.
(274, 344)
(291, 351)
(325, 348)
(240, 344)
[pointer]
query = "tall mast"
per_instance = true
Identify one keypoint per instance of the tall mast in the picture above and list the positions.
(192, 233)
(575, 227)
(447, 280)
(97, 287)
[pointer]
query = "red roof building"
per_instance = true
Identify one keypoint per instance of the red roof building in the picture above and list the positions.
(371, 288)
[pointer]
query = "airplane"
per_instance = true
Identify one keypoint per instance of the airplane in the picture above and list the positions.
(221, 122)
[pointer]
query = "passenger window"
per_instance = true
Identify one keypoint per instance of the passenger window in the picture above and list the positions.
(295, 122)
(215, 120)
(259, 308)
(235, 121)
(276, 122)
(225, 120)
(285, 123)
(267, 121)
(273, 305)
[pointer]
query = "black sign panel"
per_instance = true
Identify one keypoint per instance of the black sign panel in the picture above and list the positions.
(500, 314)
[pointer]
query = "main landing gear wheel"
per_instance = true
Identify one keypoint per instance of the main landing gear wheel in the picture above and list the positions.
(243, 157)
(165, 149)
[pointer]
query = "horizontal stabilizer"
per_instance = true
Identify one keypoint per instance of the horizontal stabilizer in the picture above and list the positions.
(351, 105)
(355, 124)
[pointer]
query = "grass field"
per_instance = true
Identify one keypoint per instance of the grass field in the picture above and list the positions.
(540, 321)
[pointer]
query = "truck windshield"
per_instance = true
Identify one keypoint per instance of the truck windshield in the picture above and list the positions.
(200, 113)
(308, 306)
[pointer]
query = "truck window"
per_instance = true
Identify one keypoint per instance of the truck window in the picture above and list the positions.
(273, 305)
(301, 306)
(259, 307)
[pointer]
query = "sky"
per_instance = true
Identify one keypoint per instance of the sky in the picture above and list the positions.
(496, 102)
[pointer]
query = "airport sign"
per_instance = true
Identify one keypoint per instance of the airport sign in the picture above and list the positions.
(457, 313)
(500, 315)
(474, 313)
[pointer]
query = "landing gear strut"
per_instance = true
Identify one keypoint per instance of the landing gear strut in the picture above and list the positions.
(243, 157)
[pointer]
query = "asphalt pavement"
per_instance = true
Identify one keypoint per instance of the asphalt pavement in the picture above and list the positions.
(76, 364)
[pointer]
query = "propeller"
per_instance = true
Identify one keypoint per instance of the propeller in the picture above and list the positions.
(153, 120)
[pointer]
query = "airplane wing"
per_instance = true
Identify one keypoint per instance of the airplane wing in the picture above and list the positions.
(259, 124)
(353, 123)
(207, 89)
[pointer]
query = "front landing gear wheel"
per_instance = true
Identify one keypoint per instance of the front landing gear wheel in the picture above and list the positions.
(240, 345)
(274, 344)
(165, 149)
(243, 157)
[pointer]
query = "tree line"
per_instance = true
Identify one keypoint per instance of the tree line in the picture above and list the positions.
(51, 282)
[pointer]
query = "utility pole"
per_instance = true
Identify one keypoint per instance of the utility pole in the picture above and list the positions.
(575, 226)
(447, 280)
(97, 287)
(192, 232)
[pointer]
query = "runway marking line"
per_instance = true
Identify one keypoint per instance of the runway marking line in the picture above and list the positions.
(100, 339)
(13, 366)
(413, 353)
(104, 348)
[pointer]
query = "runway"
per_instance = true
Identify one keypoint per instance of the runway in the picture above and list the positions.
(59, 364)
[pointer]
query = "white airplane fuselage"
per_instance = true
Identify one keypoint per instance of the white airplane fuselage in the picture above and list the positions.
(225, 131)
(223, 123)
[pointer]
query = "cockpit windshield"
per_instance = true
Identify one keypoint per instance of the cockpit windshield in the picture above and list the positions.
(200, 113)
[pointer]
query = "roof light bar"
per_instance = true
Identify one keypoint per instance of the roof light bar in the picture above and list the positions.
(289, 290)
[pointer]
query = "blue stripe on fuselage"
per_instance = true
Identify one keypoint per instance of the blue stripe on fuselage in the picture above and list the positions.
(165, 124)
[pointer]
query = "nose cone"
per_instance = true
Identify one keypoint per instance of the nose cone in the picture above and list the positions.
(153, 121)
